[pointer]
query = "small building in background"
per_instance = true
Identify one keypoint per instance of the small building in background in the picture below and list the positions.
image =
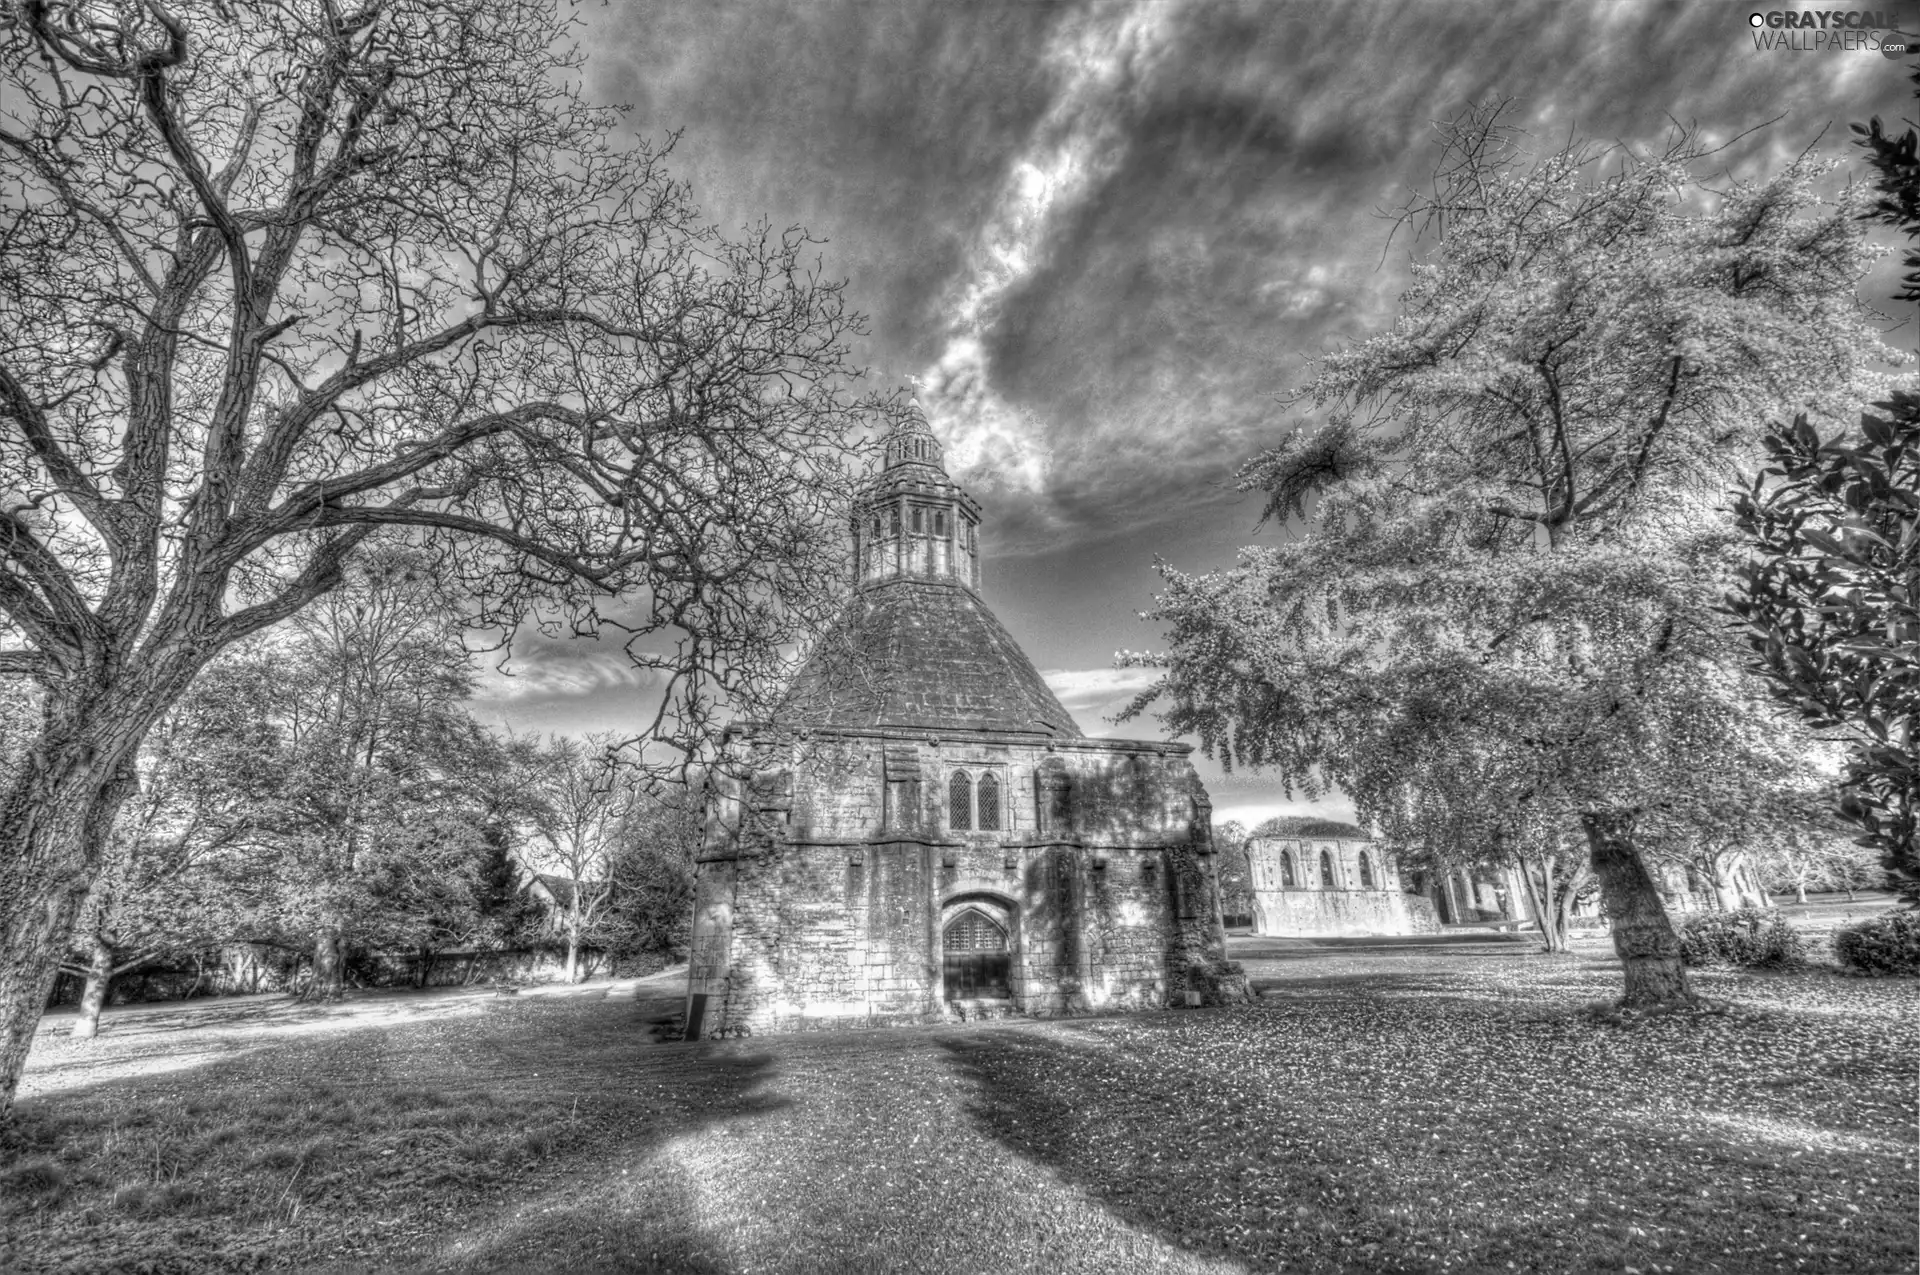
(1323, 877)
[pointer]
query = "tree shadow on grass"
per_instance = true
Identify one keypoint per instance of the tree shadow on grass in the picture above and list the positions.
(486, 1143)
(1114, 1124)
(622, 1208)
(1401, 1137)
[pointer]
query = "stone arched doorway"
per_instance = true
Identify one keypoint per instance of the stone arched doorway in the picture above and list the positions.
(977, 956)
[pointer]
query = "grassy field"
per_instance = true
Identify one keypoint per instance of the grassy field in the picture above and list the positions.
(1385, 1107)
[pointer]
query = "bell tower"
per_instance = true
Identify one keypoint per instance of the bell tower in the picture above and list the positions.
(915, 523)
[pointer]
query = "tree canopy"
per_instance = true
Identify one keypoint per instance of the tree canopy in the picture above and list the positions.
(1498, 603)
(1830, 598)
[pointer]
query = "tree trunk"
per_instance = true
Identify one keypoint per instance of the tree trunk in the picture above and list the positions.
(1800, 891)
(1725, 893)
(54, 819)
(329, 965)
(573, 956)
(1648, 947)
(1546, 911)
(1564, 907)
(94, 996)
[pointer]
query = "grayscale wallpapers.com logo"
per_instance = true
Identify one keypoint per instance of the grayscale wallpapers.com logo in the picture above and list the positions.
(1833, 31)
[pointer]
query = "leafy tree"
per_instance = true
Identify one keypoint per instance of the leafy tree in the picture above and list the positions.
(204, 770)
(1758, 781)
(1896, 165)
(371, 836)
(651, 867)
(1469, 793)
(281, 275)
(1814, 858)
(510, 806)
(1831, 601)
(1235, 871)
(1508, 512)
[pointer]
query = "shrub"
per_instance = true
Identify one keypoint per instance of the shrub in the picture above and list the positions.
(1751, 937)
(1887, 944)
(33, 1177)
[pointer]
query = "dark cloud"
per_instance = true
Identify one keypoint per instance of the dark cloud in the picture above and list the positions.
(1210, 226)
(884, 127)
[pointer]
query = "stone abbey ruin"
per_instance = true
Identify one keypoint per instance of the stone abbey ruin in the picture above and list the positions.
(923, 833)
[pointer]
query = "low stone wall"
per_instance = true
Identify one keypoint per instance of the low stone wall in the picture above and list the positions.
(249, 969)
(1307, 913)
(1422, 916)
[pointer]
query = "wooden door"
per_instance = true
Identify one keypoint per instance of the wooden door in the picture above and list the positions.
(977, 964)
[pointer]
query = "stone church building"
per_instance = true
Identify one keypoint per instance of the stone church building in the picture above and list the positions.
(1312, 877)
(1322, 877)
(923, 833)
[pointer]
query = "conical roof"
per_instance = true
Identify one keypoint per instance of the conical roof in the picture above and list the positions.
(923, 655)
(916, 647)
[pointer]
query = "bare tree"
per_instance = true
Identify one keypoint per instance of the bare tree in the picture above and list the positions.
(584, 793)
(276, 277)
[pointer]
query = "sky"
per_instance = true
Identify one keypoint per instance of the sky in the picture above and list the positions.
(1104, 239)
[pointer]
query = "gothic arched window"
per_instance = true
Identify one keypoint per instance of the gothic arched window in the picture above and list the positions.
(939, 523)
(894, 524)
(960, 801)
(1286, 871)
(1326, 870)
(1366, 872)
(989, 803)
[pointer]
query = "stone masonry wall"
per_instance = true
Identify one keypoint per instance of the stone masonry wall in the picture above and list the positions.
(1331, 912)
(832, 870)
(1313, 904)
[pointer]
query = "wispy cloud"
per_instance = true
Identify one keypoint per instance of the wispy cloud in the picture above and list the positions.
(1093, 695)
(1108, 234)
(562, 670)
(1102, 59)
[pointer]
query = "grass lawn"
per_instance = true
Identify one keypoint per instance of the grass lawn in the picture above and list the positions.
(1386, 1106)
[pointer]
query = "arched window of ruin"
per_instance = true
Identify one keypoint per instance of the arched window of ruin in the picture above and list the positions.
(960, 801)
(1326, 870)
(876, 526)
(894, 523)
(918, 516)
(1286, 871)
(989, 803)
(939, 522)
(1366, 872)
